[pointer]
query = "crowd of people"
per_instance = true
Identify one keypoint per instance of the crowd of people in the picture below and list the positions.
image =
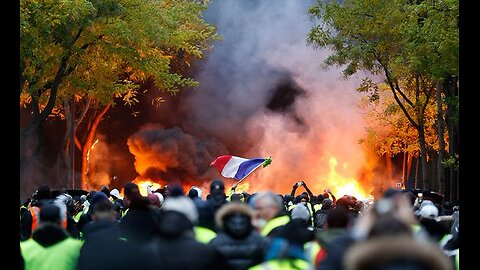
(176, 229)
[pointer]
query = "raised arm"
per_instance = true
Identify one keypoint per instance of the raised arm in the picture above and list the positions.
(310, 194)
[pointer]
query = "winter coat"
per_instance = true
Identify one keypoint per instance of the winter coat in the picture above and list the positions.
(335, 253)
(50, 248)
(178, 249)
(320, 218)
(241, 252)
(103, 248)
(140, 223)
(396, 251)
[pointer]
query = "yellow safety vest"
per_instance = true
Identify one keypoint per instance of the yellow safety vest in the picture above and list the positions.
(62, 255)
(203, 235)
(282, 264)
(311, 250)
(274, 223)
(124, 212)
(457, 260)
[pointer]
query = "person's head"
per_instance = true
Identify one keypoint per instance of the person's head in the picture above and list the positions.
(115, 194)
(181, 204)
(131, 192)
(327, 204)
(67, 200)
(267, 205)
(153, 200)
(338, 218)
(193, 194)
(300, 212)
(104, 210)
(428, 211)
(388, 225)
(304, 197)
(199, 191)
(98, 198)
(42, 193)
(236, 197)
(447, 208)
(53, 213)
(217, 187)
(235, 219)
(297, 199)
(105, 190)
(319, 198)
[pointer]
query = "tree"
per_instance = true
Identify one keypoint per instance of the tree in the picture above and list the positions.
(389, 132)
(396, 39)
(100, 50)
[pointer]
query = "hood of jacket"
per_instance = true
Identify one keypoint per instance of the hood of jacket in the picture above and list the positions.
(48, 234)
(173, 224)
(378, 252)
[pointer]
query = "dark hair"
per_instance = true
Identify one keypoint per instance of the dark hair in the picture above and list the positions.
(43, 193)
(388, 225)
(193, 193)
(217, 185)
(50, 213)
(236, 197)
(338, 218)
(105, 190)
(102, 206)
(130, 190)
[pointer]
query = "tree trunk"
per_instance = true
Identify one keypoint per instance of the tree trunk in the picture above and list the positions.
(88, 144)
(441, 140)
(416, 173)
(66, 141)
(31, 144)
(450, 91)
(424, 181)
(404, 169)
(409, 165)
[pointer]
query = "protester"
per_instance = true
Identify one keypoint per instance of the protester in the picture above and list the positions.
(50, 247)
(237, 239)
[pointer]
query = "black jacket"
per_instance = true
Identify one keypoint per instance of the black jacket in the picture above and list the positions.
(178, 249)
(140, 223)
(241, 253)
(103, 249)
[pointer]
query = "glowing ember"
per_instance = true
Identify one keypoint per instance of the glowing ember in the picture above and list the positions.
(344, 185)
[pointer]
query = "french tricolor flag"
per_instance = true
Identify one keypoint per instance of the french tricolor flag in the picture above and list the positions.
(236, 167)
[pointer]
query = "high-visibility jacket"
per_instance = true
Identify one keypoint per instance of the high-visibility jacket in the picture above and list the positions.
(35, 212)
(457, 260)
(62, 255)
(203, 235)
(282, 264)
(274, 223)
(22, 207)
(124, 212)
(78, 216)
(311, 249)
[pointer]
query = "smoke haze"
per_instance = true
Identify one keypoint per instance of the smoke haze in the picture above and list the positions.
(262, 92)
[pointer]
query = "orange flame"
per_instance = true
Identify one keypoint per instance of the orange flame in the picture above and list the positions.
(143, 184)
(342, 185)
